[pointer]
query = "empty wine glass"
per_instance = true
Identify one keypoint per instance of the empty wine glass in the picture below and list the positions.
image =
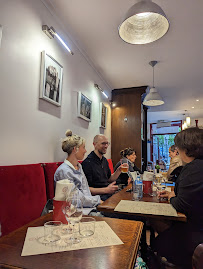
(73, 214)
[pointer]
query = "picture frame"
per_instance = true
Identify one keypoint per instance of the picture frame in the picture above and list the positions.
(103, 115)
(51, 79)
(84, 107)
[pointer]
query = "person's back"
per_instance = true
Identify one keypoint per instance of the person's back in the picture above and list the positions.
(177, 243)
(190, 188)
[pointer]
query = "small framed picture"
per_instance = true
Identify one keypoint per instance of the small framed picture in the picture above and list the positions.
(51, 79)
(84, 107)
(103, 115)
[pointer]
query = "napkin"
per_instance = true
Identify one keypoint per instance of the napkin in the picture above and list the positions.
(63, 189)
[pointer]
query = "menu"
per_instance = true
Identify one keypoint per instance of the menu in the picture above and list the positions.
(146, 208)
(103, 236)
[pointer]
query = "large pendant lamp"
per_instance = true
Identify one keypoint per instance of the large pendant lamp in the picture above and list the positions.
(153, 98)
(144, 23)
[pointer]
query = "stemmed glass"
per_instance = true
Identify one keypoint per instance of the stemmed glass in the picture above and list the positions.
(73, 214)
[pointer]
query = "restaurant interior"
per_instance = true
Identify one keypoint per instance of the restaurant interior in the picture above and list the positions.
(69, 65)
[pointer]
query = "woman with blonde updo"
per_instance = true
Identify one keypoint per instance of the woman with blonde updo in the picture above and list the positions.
(71, 169)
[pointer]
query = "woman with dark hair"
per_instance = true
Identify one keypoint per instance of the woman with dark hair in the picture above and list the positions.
(130, 155)
(177, 243)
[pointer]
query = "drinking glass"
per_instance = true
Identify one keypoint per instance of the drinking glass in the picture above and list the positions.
(73, 214)
(124, 165)
(50, 236)
(87, 226)
(161, 186)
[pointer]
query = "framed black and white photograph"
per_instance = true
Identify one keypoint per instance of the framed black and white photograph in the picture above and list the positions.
(103, 115)
(84, 107)
(51, 79)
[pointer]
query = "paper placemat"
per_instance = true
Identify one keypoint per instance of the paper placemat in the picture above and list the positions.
(104, 236)
(146, 208)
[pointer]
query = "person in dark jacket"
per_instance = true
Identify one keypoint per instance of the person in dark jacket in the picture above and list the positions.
(96, 169)
(130, 155)
(177, 243)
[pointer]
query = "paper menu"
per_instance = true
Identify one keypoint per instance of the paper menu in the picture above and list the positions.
(103, 236)
(146, 208)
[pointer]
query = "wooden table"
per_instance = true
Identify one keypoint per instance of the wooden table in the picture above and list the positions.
(110, 204)
(112, 257)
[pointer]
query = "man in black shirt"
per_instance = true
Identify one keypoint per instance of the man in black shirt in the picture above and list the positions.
(97, 171)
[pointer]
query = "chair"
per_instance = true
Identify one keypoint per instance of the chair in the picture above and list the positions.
(197, 258)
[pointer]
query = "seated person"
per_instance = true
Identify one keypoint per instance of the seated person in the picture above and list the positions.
(97, 171)
(178, 241)
(130, 155)
(71, 169)
(174, 162)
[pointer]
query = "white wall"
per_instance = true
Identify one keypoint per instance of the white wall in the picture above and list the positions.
(31, 128)
(200, 122)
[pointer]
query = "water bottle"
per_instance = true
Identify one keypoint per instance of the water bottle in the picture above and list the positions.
(137, 188)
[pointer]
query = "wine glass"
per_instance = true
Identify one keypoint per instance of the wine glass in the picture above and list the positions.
(73, 214)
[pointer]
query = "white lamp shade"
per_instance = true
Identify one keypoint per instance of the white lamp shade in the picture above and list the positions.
(144, 23)
(153, 98)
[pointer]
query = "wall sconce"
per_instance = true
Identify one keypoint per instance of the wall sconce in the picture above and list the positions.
(51, 33)
(100, 89)
(113, 104)
(125, 119)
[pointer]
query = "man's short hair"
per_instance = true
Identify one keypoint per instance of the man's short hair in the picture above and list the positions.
(96, 138)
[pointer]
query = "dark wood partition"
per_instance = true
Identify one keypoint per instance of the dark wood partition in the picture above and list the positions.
(126, 122)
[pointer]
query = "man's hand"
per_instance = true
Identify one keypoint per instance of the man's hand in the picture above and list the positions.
(163, 194)
(112, 188)
(118, 170)
(129, 180)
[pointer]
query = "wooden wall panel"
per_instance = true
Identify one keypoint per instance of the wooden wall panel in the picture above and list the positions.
(126, 133)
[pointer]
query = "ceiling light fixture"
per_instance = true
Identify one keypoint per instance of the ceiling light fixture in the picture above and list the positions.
(51, 33)
(153, 98)
(186, 122)
(99, 88)
(144, 23)
(197, 100)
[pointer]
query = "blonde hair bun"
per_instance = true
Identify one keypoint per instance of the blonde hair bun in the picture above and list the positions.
(69, 133)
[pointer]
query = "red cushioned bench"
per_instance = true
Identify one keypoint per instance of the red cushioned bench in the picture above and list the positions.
(22, 195)
(49, 171)
(24, 191)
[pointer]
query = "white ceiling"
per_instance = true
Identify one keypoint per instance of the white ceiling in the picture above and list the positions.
(93, 25)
